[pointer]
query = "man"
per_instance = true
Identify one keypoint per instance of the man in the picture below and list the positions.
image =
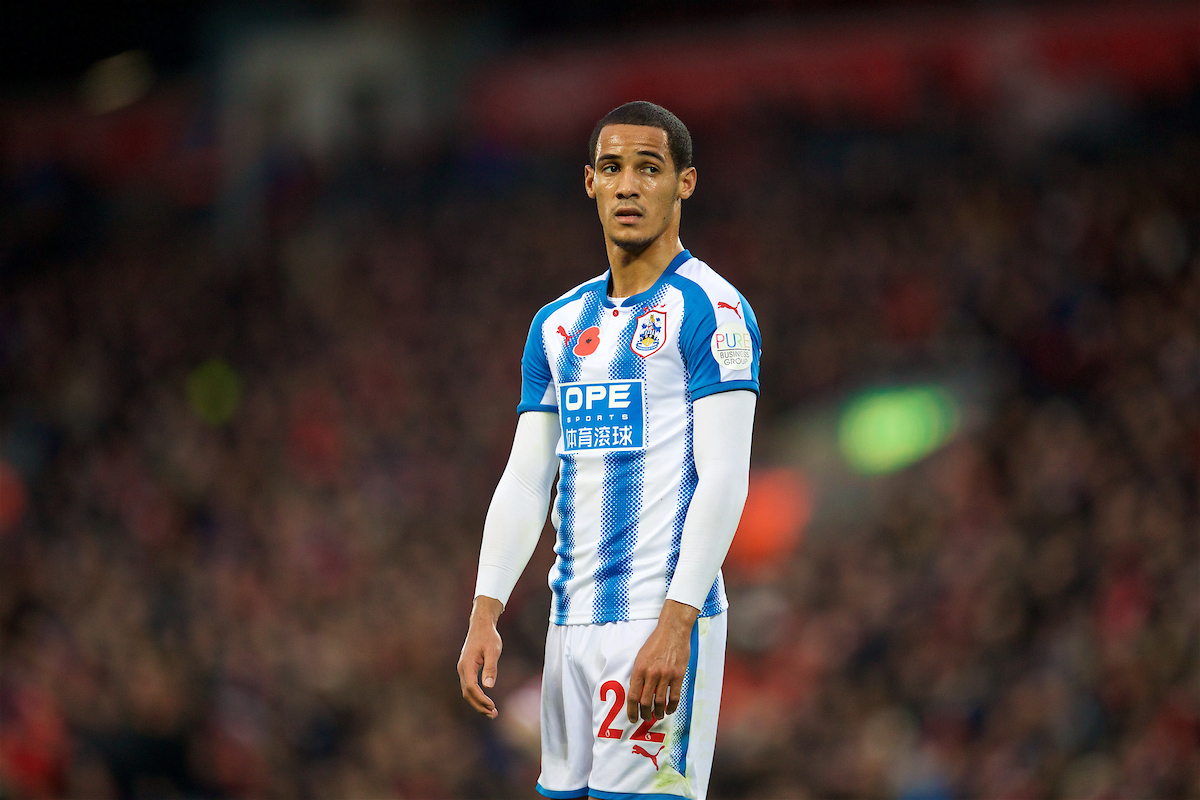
(639, 389)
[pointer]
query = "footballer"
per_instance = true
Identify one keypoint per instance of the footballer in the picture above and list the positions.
(638, 390)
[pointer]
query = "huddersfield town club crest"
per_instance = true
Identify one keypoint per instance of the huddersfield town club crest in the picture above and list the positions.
(650, 333)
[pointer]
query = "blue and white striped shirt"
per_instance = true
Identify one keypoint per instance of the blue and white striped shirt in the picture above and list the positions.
(622, 379)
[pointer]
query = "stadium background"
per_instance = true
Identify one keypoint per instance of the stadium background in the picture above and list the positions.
(265, 275)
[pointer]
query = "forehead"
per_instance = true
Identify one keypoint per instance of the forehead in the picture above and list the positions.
(626, 139)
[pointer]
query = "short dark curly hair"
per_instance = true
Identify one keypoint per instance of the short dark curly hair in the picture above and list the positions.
(642, 112)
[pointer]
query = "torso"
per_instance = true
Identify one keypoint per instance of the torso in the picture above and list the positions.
(623, 379)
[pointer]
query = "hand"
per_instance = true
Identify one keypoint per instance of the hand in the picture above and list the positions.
(481, 649)
(660, 665)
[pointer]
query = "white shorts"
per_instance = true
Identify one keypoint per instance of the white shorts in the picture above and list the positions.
(589, 747)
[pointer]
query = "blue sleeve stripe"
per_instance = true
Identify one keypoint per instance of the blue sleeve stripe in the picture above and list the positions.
(553, 795)
(522, 407)
(755, 335)
(535, 368)
(751, 320)
(699, 323)
(601, 795)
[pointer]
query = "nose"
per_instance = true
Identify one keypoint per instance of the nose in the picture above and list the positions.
(626, 185)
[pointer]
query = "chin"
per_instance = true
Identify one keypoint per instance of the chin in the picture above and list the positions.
(631, 240)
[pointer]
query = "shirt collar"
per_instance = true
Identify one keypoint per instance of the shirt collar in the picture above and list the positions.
(628, 302)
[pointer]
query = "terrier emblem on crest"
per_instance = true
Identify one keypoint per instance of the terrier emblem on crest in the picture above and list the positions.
(649, 333)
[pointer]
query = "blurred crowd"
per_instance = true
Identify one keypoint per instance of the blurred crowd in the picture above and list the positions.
(264, 594)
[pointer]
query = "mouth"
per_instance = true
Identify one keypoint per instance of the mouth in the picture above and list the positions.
(628, 215)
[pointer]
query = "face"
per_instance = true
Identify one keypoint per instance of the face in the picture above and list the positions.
(634, 183)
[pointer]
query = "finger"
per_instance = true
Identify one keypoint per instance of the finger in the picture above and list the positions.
(490, 667)
(673, 702)
(660, 699)
(480, 701)
(468, 670)
(646, 701)
(635, 693)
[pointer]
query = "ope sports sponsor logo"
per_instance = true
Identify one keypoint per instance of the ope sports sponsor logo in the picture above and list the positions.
(607, 415)
(732, 346)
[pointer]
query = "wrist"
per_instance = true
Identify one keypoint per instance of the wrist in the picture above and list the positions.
(678, 617)
(486, 609)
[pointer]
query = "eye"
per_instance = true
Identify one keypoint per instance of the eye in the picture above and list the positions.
(653, 170)
(609, 169)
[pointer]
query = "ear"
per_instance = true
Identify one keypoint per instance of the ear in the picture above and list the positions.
(589, 177)
(687, 183)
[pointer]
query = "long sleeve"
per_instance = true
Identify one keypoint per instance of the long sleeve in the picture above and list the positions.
(723, 425)
(518, 510)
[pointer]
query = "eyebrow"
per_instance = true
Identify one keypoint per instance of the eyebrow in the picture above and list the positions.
(616, 157)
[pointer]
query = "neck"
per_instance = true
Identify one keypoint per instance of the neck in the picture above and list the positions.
(635, 271)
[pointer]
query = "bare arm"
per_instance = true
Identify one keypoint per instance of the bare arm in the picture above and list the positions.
(510, 533)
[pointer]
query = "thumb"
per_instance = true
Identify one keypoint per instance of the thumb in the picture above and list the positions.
(490, 657)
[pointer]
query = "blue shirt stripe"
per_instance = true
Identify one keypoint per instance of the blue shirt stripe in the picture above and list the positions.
(569, 367)
(621, 504)
(621, 507)
(564, 547)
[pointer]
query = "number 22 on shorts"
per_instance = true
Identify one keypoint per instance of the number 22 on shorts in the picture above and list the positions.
(642, 734)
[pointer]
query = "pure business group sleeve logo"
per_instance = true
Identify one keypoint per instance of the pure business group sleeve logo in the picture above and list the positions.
(732, 347)
(606, 415)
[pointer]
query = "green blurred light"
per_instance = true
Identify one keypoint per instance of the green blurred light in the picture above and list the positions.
(885, 430)
(215, 391)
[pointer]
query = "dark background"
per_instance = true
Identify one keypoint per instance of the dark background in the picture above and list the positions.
(266, 272)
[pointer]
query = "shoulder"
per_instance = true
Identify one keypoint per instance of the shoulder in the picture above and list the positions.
(700, 282)
(596, 284)
(697, 275)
